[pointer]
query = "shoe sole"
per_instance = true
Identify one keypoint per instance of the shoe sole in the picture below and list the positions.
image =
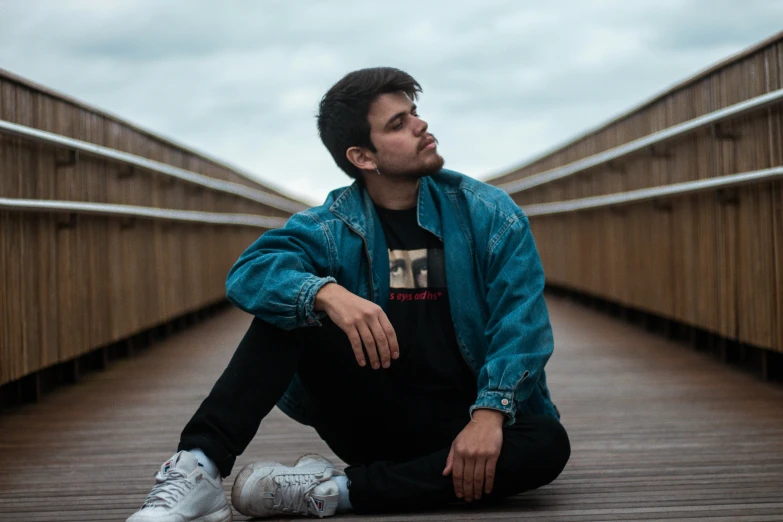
(224, 515)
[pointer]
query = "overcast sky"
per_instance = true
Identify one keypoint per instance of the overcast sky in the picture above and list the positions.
(240, 80)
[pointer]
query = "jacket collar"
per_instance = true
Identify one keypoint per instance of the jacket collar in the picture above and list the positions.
(355, 207)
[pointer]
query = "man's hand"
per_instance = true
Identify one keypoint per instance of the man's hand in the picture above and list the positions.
(474, 454)
(363, 321)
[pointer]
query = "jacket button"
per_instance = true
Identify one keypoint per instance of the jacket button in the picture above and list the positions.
(504, 402)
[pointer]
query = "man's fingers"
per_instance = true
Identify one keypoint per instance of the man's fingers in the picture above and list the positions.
(467, 478)
(381, 342)
(489, 473)
(365, 323)
(391, 336)
(456, 476)
(449, 461)
(356, 345)
(478, 478)
(369, 345)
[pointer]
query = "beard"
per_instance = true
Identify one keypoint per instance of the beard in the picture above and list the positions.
(424, 166)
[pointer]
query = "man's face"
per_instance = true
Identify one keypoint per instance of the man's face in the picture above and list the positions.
(404, 147)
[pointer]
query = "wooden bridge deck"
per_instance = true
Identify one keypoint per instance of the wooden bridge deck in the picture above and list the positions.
(658, 431)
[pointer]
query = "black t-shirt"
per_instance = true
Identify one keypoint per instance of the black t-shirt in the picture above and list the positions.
(430, 362)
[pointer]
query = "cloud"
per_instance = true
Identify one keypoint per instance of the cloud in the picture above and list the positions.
(240, 80)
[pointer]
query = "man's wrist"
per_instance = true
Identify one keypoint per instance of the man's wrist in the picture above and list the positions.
(322, 296)
(490, 416)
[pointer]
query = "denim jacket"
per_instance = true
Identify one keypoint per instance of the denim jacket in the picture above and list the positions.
(493, 274)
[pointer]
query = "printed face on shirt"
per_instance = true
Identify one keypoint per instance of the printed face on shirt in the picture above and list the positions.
(408, 268)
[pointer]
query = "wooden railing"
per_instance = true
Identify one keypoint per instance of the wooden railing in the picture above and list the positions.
(676, 208)
(107, 230)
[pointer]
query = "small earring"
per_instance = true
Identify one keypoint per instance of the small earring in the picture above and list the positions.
(377, 171)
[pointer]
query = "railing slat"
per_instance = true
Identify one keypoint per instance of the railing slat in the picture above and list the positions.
(106, 209)
(655, 193)
(91, 149)
(739, 109)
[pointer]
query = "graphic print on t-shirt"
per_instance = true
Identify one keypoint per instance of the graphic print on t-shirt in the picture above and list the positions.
(416, 275)
(420, 268)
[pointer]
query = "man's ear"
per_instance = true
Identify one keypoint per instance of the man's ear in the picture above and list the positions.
(360, 158)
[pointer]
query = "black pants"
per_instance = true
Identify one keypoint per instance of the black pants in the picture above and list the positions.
(396, 447)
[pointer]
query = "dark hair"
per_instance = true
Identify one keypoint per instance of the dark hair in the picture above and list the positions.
(342, 113)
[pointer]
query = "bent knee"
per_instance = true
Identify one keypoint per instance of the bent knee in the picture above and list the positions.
(535, 453)
(556, 448)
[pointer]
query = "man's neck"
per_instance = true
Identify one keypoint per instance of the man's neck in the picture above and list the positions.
(391, 193)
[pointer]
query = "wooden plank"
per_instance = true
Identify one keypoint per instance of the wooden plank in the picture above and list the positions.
(657, 431)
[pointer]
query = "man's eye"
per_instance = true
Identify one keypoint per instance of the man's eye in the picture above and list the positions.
(398, 126)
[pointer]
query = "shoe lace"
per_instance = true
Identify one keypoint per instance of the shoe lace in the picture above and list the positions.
(293, 492)
(169, 489)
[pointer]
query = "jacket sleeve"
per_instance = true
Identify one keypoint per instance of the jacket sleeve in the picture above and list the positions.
(518, 331)
(278, 276)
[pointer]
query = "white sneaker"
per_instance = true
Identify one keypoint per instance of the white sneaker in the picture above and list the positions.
(265, 489)
(184, 492)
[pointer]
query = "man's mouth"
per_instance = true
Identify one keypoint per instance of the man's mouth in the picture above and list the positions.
(429, 144)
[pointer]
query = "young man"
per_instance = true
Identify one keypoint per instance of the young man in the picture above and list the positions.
(403, 319)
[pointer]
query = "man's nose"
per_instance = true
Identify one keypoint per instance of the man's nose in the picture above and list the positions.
(421, 128)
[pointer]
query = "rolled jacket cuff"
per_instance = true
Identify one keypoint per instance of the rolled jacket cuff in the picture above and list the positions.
(306, 302)
(499, 401)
